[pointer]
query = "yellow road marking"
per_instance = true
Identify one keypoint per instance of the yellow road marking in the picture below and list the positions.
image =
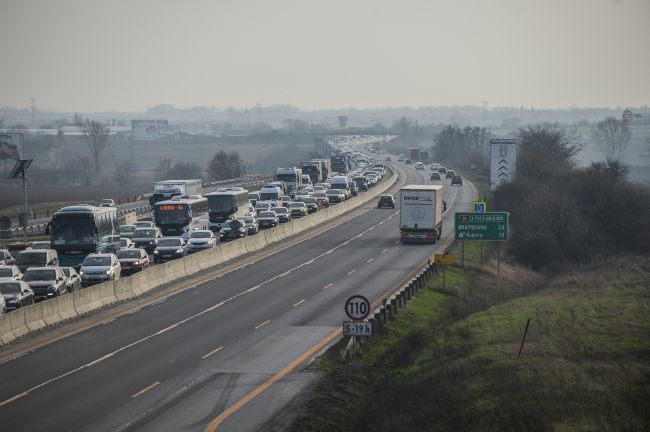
(8, 401)
(144, 390)
(299, 303)
(252, 259)
(263, 324)
(214, 424)
(214, 351)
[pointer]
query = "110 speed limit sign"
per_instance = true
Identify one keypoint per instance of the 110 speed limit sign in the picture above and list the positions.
(357, 307)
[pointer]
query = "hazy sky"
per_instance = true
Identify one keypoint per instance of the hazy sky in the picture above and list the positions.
(128, 55)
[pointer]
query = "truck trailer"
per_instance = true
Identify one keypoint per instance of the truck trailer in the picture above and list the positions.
(421, 208)
(166, 189)
(414, 154)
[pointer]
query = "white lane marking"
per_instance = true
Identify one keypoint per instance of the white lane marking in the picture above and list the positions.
(328, 285)
(351, 271)
(299, 303)
(262, 324)
(384, 251)
(158, 301)
(109, 321)
(214, 351)
(146, 338)
(370, 260)
(15, 357)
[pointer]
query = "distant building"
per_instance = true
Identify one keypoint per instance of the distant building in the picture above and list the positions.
(148, 130)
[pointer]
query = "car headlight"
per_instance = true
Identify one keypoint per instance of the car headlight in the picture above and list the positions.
(156, 252)
(81, 272)
(108, 272)
(137, 263)
(179, 251)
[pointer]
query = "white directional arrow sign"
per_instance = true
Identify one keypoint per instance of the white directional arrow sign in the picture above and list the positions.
(503, 161)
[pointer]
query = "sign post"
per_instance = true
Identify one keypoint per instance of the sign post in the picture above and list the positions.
(357, 308)
(445, 260)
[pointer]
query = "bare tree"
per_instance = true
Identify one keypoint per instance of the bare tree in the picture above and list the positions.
(124, 169)
(73, 169)
(225, 166)
(85, 169)
(612, 136)
(96, 135)
(163, 169)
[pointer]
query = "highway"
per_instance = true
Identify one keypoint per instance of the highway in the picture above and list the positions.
(225, 354)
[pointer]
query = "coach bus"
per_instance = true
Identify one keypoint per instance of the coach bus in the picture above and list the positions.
(226, 203)
(76, 231)
(179, 215)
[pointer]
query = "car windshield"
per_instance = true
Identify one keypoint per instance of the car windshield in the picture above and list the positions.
(39, 275)
(6, 272)
(169, 242)
(280, 210)
(267, 214)
(142, 224)
(144, 233)
(249, 220)
(127, 228)
(310, 200)
(296, 205)
(31, 258)
(200, 234)
(10, 287)
(97, 261)
(41, 245)
(132, 253)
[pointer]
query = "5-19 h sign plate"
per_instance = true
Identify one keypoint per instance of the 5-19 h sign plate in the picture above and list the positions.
(491, 226)
(357, 328)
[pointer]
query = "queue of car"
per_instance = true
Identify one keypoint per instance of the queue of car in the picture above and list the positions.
(34, 274)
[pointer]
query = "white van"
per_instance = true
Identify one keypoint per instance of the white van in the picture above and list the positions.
(341, 183)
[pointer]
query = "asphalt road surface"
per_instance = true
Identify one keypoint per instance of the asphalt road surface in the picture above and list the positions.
(227, 353)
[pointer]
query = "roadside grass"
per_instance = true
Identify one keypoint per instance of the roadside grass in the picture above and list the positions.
(449, 359)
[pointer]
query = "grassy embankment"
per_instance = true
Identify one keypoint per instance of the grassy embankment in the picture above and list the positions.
(449, 360)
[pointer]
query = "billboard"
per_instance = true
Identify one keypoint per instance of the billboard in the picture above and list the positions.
(503, 161)
(11, 146)
(144, 130)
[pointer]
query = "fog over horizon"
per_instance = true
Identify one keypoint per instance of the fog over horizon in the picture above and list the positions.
(93, 55)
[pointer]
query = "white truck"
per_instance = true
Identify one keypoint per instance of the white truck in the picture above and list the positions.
(421, 208)
(166, 189)
(292, 178)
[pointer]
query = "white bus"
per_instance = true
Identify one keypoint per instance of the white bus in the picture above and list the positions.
(177, 216)
(226, 203)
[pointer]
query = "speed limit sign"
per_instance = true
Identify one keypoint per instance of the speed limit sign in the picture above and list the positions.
(357, 307)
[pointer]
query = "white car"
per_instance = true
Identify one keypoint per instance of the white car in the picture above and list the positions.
(107, 202)
(10, 272)
(201, 240)
(100, 267)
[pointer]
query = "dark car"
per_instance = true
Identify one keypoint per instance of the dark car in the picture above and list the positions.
(170, 248)
(74, 280)
(267, 219)
(146, 238)
(233, 230)
(442, 170)
(408, 162)
(133, 260)
(354, 190)
(456, 180)
(334, 196)
(46, 282)
(251, 224)
(450, 174)
(16, 293)
(312, 204)
(435, 176)
(386, 201)
(284, 215)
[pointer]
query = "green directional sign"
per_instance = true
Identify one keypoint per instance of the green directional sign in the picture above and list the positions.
(482, 226)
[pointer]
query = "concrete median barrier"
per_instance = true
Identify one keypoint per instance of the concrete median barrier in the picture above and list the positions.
(6, 334)
(50, 310)
(123, 288)
(90, 299)
(65, 304)
(34, 316)
(18, 324)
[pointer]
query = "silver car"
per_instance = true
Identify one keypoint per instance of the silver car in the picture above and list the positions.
(10, 272)
(98, 268)
(201, 240)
